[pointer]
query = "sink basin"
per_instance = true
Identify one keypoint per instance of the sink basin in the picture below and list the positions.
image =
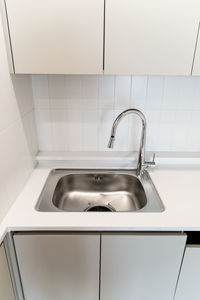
(98, 191)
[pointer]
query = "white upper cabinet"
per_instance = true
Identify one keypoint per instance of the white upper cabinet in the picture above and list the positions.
(155, 37)
(56, 36)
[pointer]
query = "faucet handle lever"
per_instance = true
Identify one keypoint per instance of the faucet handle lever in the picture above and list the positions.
(151, 163)
(153, 159)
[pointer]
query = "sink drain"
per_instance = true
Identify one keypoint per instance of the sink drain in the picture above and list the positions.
(99, 208)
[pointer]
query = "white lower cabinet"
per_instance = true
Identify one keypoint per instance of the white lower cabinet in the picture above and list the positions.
(189, 281)
(140, 266)
(6, 290)
(59, 266)
(121, 266)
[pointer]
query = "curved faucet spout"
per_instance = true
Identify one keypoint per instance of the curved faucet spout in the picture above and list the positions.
(141, 156)
(111, 142)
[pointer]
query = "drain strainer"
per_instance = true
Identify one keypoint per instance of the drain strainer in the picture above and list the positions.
(99, 208)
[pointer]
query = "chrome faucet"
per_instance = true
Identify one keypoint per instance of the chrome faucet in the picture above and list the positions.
(142, 164)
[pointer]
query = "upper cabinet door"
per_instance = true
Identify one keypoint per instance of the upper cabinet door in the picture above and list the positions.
(56, 36)
(150, 36)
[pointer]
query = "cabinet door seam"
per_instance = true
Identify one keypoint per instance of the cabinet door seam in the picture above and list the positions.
(9, 36)
(195, 49)
(179, 273)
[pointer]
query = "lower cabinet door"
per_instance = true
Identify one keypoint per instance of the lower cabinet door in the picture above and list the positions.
(188, 287)
(140, 266)
(59, 266)
(6, 290)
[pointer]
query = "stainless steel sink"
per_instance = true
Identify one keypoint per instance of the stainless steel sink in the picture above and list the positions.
(99, 191)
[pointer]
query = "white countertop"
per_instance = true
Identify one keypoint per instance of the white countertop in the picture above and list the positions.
(178, 187)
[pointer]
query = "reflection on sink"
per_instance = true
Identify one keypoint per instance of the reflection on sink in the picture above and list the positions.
(99, 190)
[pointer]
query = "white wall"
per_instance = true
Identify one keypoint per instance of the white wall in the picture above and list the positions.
(18, 144)
(76, 112)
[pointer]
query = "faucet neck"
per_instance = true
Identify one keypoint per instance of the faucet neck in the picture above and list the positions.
(141, 155)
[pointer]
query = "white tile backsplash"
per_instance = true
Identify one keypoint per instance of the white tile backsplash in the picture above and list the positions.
(30, 132)
(57, 91)
(90, 129)
(44, 129)
(74, 123)
(122, 92)
(106, 92)
(59, 129)
(74, 92)
(40, 89)
(166, 131)
(90, 92)
(153, 128)
(180, 119)
(154, 96)
(76, 112)
(139, 92)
